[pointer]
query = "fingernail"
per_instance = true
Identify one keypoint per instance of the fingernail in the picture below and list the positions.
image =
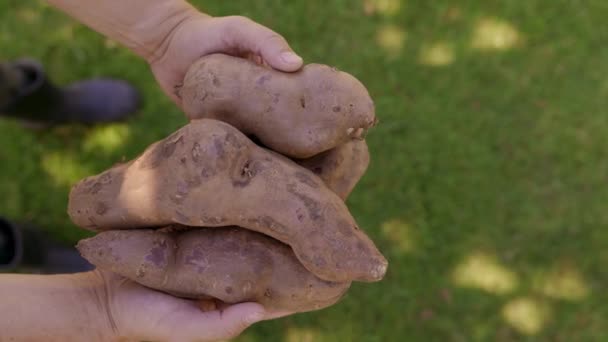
(291, 58)
(254, 317)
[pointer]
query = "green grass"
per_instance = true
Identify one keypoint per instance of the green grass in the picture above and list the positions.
(487, 188)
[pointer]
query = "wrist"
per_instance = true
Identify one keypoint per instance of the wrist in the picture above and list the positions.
(91, 292)
(63, 307)
(161, 21)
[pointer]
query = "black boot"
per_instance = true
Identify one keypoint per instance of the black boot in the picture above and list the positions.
(26, 248)
(27, 94)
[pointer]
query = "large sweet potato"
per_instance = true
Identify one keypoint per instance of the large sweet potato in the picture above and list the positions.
(208, 174)
(231, 264)
(297, 114)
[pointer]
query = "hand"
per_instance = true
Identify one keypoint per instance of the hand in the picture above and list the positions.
(137, 313)
(199, 35)
(171, 34)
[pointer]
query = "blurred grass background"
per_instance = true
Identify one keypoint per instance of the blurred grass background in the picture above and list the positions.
(487, 188)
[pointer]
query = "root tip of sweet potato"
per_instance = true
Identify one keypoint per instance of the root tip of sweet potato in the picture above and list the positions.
(379, 270)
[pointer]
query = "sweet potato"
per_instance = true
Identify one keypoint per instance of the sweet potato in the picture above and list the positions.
(208, 174)
(231, 264)
(341, 167)
(296, 114)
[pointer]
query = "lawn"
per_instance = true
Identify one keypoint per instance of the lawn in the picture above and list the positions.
(487, 187)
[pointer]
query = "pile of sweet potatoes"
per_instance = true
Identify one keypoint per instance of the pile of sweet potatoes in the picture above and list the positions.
(246, 202)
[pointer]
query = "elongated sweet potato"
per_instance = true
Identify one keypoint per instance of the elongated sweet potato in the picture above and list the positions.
(296, 114)
(208, 174)
(231, 264)
(341, 167)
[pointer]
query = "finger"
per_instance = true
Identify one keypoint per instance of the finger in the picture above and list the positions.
(248, 36)
(207, 305)
(169, 82)
(223, 324)
(189, 323)
(257, 59)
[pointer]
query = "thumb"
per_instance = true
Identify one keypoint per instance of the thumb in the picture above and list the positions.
(276, 52)
(248, 36)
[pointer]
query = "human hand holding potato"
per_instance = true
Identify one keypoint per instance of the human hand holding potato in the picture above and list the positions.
(133, 312)
(199, 35)
(171, 35)
(283, 238)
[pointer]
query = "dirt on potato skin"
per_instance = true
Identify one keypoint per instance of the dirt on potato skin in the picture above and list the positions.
(208, 174)
(230, 264)
(297, 114)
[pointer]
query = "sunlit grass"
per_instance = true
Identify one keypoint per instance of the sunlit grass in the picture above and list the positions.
(386, 8)
(564, 282)
(296, 334)
(526, 315)
(437, 54)
(494, 34)
(391, 38)
(482, 271)
(107, 138)
(63, 168)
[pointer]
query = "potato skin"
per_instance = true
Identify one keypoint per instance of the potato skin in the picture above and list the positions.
(297, 114)
(208, 174)
(231, 264)
(341, 167)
